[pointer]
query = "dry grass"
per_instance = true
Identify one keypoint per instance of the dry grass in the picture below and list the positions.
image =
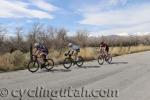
(90, 53)
(116, 51)
(17, 60)
(14, 61)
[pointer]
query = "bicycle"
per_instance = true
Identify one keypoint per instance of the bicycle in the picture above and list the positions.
(34, 64)
(69, 61)
(104, 57)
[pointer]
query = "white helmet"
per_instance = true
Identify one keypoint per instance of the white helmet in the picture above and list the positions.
(70, 45)
(36, 45)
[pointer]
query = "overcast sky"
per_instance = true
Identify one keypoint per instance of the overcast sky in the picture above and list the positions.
(97, 16)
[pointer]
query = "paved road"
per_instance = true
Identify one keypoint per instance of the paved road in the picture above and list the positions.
(127, 78)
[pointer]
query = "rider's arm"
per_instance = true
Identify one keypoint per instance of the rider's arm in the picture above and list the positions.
(100, 47)
(36, 52)
(70, 52)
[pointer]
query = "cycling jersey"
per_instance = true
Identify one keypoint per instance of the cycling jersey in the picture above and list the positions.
(104, 45)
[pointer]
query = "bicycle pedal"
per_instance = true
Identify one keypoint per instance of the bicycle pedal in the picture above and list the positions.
(42, 66)
(74, 64)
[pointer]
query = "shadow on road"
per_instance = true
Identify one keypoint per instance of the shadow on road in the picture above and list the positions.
(90, 67)
(60, 70)
(119, 63)
(68, 70)
(55, 70)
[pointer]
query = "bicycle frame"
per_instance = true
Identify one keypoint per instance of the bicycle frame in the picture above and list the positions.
(103, 53)
(70, 57)
(35, 58)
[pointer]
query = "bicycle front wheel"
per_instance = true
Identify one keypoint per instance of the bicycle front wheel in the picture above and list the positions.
(100, 60)
(33, 66)
(67, 63)
(49, 64)
(80, 61)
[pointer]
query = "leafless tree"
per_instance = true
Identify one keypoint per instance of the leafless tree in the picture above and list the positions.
(61, 39)
(3, 31)
(82, 37)
(19, 38)
(35, 31)
(51, 32)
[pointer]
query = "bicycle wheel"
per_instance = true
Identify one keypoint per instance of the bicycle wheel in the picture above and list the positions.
(79, 61)
(33, 66)
(108, 59)
(100, 60)
(49, 64)
(67, 63)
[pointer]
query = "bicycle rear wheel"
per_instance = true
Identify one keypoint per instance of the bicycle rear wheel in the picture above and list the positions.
(80, 61)
(67, 63)
(100, 60)
(33, 66)
(49, 64)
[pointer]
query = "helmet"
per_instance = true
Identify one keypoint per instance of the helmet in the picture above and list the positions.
(36, 45)
(102, 42)
(70, 45)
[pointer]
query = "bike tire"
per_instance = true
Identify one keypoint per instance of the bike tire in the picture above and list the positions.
(67, 63)
(80, 61)
(49, 64)
(109, 59)
(33, 68)
(100, 60)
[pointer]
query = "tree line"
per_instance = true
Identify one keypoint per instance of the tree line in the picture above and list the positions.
(57, 38)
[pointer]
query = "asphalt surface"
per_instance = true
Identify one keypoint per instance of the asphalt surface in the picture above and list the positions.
(127, 78)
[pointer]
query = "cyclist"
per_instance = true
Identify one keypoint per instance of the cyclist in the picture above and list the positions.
(41, 51)
(73, 50)
(104, 46)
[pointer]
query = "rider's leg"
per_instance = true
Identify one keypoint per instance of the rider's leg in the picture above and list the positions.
(75, 55)
(107, 53)
(107, 50)
(43, 59)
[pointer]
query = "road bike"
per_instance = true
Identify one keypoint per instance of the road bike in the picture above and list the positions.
(69, 61)
(35, 63)
(103, 56)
